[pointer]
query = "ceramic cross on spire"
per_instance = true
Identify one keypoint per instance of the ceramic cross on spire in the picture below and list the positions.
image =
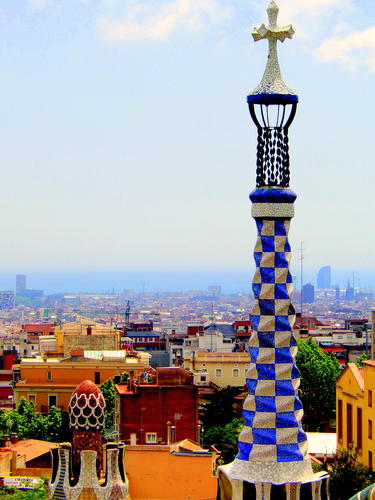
(272, 82)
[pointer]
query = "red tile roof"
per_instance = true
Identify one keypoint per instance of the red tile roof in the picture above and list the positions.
(33, 448)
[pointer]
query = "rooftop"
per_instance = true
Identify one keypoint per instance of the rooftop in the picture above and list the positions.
(33, 448)
(322, 443)
(87, 327)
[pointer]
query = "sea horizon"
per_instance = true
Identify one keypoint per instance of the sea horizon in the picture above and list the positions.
(232, 280)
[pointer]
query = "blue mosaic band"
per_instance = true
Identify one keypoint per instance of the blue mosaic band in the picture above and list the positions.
(272, 411)
(268, 195)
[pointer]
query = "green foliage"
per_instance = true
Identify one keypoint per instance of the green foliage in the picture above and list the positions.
(108, 391)
(359, 361)
(53, 424)
(38, 493)
(14, 494)
(221, 408)
(30, 424)
(318, 372)
(224, 438)
(221, 422)
(348, 475)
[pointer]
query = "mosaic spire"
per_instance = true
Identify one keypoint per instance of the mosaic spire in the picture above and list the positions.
(272, 82)
(272, 445)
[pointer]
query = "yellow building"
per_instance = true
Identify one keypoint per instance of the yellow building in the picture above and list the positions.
(227, 368)
(355, 410)
(83, 334)
(50, 381)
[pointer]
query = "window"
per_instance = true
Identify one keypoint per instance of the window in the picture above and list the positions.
(52, 400)
(349, 424)
(151, 437)
(369, 399)
(49, 376)
(235, 372)
(339, 420)
(370, 459)
(359, 429)
(370, 429)
(218, 372)
(97, 378)
(31, 398)
(203, 378)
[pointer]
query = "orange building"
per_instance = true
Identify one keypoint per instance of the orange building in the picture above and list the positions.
(50, 381)
(355, 410)
(171, 472)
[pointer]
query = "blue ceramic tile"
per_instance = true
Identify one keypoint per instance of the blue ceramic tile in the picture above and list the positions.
(264, 436)
(265, 404)
(266, 371)
(288, 453)
(286, 419)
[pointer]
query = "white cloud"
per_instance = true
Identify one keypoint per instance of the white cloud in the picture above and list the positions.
(160, 19)
(354, 49)
(327, 28)
(310, 7)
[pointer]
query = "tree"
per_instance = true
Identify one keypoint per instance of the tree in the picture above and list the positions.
(347, 475)
(221, 422)
(318, 371)
(224, 438)
(359, 361)
(221, 409)
(30, 424)
(53, 425)
(108, 391)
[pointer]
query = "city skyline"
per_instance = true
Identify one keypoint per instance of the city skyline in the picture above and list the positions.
(96, 175)
(165, 280)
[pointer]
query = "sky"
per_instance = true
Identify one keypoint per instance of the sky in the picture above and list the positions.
(126, 143)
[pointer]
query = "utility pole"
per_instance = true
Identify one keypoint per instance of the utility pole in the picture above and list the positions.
(366, 345)
(301, 259)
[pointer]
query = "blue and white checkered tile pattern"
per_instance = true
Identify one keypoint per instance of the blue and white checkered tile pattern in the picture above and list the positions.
(272, 411)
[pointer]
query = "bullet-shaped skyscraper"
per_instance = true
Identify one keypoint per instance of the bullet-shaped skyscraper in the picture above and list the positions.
(323, 280)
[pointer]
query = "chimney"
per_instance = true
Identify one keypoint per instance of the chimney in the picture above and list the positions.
(14, 438)
(14, 463)
(89, 330)
(173, 434)
(169, 432)
(132, 385)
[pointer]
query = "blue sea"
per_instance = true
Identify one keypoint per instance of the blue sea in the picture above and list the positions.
(164, 280)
